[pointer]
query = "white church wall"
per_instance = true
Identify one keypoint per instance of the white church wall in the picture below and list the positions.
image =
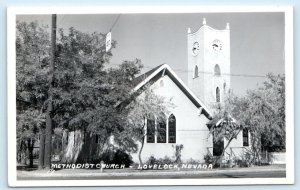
(235, 148)
(191, 129)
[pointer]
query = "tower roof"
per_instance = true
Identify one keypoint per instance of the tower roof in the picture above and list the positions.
(204, 24)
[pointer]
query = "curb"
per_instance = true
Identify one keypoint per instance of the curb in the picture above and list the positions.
(175, 173)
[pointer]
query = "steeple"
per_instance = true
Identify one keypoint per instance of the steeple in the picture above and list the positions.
(204, 21)
(189, 30)
(227, 26)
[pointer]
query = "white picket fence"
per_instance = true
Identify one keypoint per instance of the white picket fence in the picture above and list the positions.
(266, 157)
(273, 157)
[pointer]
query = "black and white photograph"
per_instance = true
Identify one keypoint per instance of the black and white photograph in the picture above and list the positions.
(150, 96)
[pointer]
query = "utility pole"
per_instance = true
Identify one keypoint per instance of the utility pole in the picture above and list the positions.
(49, 114)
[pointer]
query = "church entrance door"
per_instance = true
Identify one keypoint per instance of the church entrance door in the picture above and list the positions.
(218, 147)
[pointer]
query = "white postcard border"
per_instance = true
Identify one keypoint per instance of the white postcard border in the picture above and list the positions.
(11, 93)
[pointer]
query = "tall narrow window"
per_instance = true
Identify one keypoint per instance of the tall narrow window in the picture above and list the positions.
(84, 136)
(245, 137)
(150, 130)
(217, 70)
(162, 130)
(217, 94)
(67, 137)
(97, 139)
(172, 129)
(196, 72)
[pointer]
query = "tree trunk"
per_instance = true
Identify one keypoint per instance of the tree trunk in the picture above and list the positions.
(48, 140)
(42, 149)
(140, 152)
(65, 140)
(30, 146)
(23, 152)
(255, 146)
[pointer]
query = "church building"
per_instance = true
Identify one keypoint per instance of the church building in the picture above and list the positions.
(208, 52)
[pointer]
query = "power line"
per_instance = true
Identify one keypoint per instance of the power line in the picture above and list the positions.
(181, 70)
(113, 25)
(61, 20)
(189, 71)
(209, 73)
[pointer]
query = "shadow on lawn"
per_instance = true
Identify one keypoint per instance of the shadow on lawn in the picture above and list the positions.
(27, 168)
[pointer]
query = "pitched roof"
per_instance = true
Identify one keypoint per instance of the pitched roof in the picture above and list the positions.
(216, 121)
(142, 77)
(164, 69)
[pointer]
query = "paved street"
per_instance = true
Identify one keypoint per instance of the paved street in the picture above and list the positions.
(256, 172)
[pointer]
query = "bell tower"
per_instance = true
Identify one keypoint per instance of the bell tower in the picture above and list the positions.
(209, 63)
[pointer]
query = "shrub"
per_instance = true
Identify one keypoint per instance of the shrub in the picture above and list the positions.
(121, 157)
(192, 161)
(151, 160)
(166, 160)
(107, 157)
(238, 162)
(115, 157)
(178, 150)
(208, 159)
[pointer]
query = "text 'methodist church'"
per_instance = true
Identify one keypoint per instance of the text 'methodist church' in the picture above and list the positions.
(208, 52)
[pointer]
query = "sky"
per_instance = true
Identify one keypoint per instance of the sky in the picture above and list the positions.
(257, 40)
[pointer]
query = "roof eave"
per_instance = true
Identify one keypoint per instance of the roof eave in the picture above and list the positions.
(166, 67)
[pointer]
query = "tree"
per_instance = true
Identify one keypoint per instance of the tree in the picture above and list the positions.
(85, 89)
(261, 111)
(264, 116)
(226, 126)
(145, 107)
(28, 123)
(274, 89)
(32, 58)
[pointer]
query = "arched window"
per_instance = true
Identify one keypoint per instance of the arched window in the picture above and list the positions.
(217, 94)
(196, 72)
(217, 70)
(172, 129)
(161, 130)
(150, 129)
(97, 140)
(245, 137)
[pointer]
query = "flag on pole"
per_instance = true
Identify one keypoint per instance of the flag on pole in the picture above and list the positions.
(108, 41)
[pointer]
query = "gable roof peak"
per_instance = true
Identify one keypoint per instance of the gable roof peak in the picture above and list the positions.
(145, 78)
